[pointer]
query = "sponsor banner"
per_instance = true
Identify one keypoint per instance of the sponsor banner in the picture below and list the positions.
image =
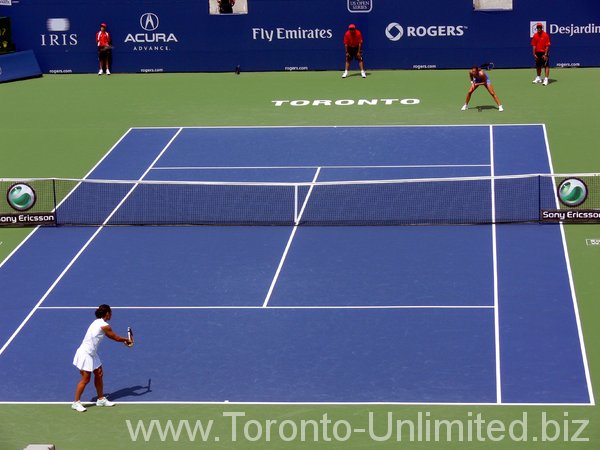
(5, 2)
(58, 34)
(592, 242)
(161, 35)
(151, 36)
(27, 219)
(570, 215)
(570, 30)
(573, 193)
(283, 34)
(394, 31)
(360, 6)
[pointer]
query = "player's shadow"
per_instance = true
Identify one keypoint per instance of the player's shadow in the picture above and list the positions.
(484, 107)
(133, 391)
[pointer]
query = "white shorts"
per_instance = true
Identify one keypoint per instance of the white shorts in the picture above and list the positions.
(86, 362)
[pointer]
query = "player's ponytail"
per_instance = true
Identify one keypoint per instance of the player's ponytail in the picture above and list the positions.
(102, 311)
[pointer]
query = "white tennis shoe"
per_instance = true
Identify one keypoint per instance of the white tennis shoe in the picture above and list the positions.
(545, 83)
(464, 108)
(77, 406)
(363, 74)
(500, 108)
(537, 80)
(345, 74)
(104, 402)
(100, 72)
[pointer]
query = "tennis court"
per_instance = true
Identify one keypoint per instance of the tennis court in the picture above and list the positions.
(480, 314)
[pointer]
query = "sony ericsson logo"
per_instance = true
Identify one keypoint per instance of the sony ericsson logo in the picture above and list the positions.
(394, 31)
(21, 196)
(572, 192)
(149, 21)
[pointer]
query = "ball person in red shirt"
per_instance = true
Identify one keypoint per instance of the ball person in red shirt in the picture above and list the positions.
(540, 43)
(103, 42)
(353, 43)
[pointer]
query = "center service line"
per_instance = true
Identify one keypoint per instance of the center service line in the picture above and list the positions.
(289, 243)
(495, 269)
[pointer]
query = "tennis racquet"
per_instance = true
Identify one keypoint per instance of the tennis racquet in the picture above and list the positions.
(130, 336)
(487, 66)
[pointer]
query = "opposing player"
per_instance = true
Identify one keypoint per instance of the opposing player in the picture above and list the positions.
(353, 42)
(87, 360)
(540, 43)
(478, 78)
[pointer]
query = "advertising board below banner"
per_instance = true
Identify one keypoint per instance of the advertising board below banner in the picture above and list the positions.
(578, 197)
(570, 216)
(27, 219)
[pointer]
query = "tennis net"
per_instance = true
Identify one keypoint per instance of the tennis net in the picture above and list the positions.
(456, 201)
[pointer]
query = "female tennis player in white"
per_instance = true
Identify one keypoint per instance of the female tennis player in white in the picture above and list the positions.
(87, 359)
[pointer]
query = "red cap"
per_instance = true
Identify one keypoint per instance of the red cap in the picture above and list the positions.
(103, 25)
(352, 27)
(539, 24)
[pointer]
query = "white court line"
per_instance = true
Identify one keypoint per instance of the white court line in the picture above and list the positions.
(301, 403)
(495, 270)
(289, 243)
(404, 166)
(586, 367)
(85, 246)
(245, 127)
(317, 307)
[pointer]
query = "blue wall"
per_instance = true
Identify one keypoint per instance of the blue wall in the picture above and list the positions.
(436, 33)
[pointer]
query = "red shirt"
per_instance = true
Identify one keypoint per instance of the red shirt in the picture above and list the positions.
(353, 39)
(541, 41)
(102, 39)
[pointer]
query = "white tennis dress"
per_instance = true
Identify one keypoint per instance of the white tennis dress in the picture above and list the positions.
(86, 357)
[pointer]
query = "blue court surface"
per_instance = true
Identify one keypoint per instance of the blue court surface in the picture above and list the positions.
(479, 314)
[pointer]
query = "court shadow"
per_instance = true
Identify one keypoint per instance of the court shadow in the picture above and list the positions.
(132, 391)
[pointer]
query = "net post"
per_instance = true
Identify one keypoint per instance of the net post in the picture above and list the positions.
(54, 198)
(540, 197)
